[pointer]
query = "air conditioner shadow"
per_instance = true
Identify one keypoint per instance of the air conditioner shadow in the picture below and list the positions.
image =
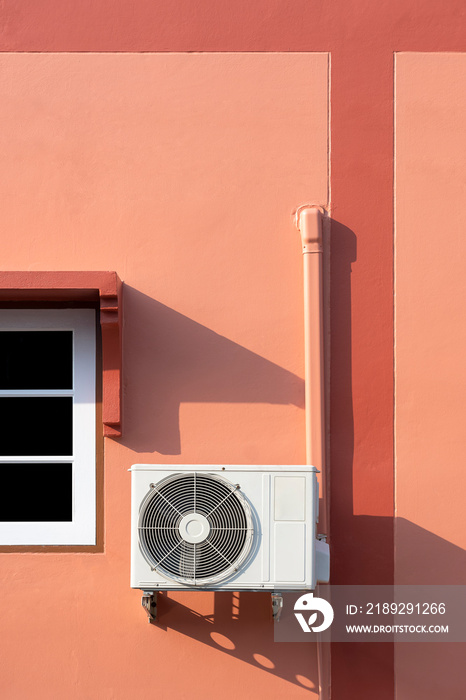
(240, 625)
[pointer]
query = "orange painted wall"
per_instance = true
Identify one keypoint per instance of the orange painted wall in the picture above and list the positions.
(361, 39)
(180, 172)
(430, 337)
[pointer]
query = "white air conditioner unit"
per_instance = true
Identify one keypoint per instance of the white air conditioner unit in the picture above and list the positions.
(235, 528)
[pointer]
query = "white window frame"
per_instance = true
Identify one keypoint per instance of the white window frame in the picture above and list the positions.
(81, 530)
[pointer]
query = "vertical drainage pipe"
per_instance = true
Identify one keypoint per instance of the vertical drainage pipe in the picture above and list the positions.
(309, 223)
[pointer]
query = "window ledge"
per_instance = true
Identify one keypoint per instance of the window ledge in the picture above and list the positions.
(104, 287)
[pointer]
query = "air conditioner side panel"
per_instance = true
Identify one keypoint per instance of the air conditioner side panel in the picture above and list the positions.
(292, 528)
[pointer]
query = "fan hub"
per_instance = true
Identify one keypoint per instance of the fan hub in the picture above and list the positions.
(194, 528)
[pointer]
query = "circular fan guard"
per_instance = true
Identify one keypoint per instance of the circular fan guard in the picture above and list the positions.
(221, 521)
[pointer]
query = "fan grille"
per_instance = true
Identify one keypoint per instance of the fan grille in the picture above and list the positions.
(227, 536)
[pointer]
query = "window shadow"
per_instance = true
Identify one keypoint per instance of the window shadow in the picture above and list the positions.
(170, 359)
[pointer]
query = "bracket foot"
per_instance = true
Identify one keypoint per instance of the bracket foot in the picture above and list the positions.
(277, 606)
(149, 603)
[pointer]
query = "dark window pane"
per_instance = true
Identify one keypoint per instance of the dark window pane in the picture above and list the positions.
(35, 426)
(36, 492)
(36, 359)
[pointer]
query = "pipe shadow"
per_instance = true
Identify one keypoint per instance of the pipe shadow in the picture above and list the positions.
(343, 252)
(170, 359)
(355, 540)
(357, 670)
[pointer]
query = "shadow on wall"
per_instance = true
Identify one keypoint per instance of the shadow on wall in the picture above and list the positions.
(241, 626)
(185, 362)
(425, 559)
(173, 359)
(361, 547)
(343, 253)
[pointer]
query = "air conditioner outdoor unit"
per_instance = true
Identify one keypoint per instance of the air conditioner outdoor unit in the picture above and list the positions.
(236, 527)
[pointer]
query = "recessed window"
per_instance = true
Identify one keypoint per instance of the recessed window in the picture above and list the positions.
(47, 426)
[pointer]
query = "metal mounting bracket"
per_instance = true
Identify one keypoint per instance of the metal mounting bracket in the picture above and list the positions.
(277, 606)
(149, 603)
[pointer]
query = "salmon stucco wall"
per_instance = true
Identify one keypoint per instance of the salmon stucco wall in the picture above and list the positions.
(430, 342)
(181, 172)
